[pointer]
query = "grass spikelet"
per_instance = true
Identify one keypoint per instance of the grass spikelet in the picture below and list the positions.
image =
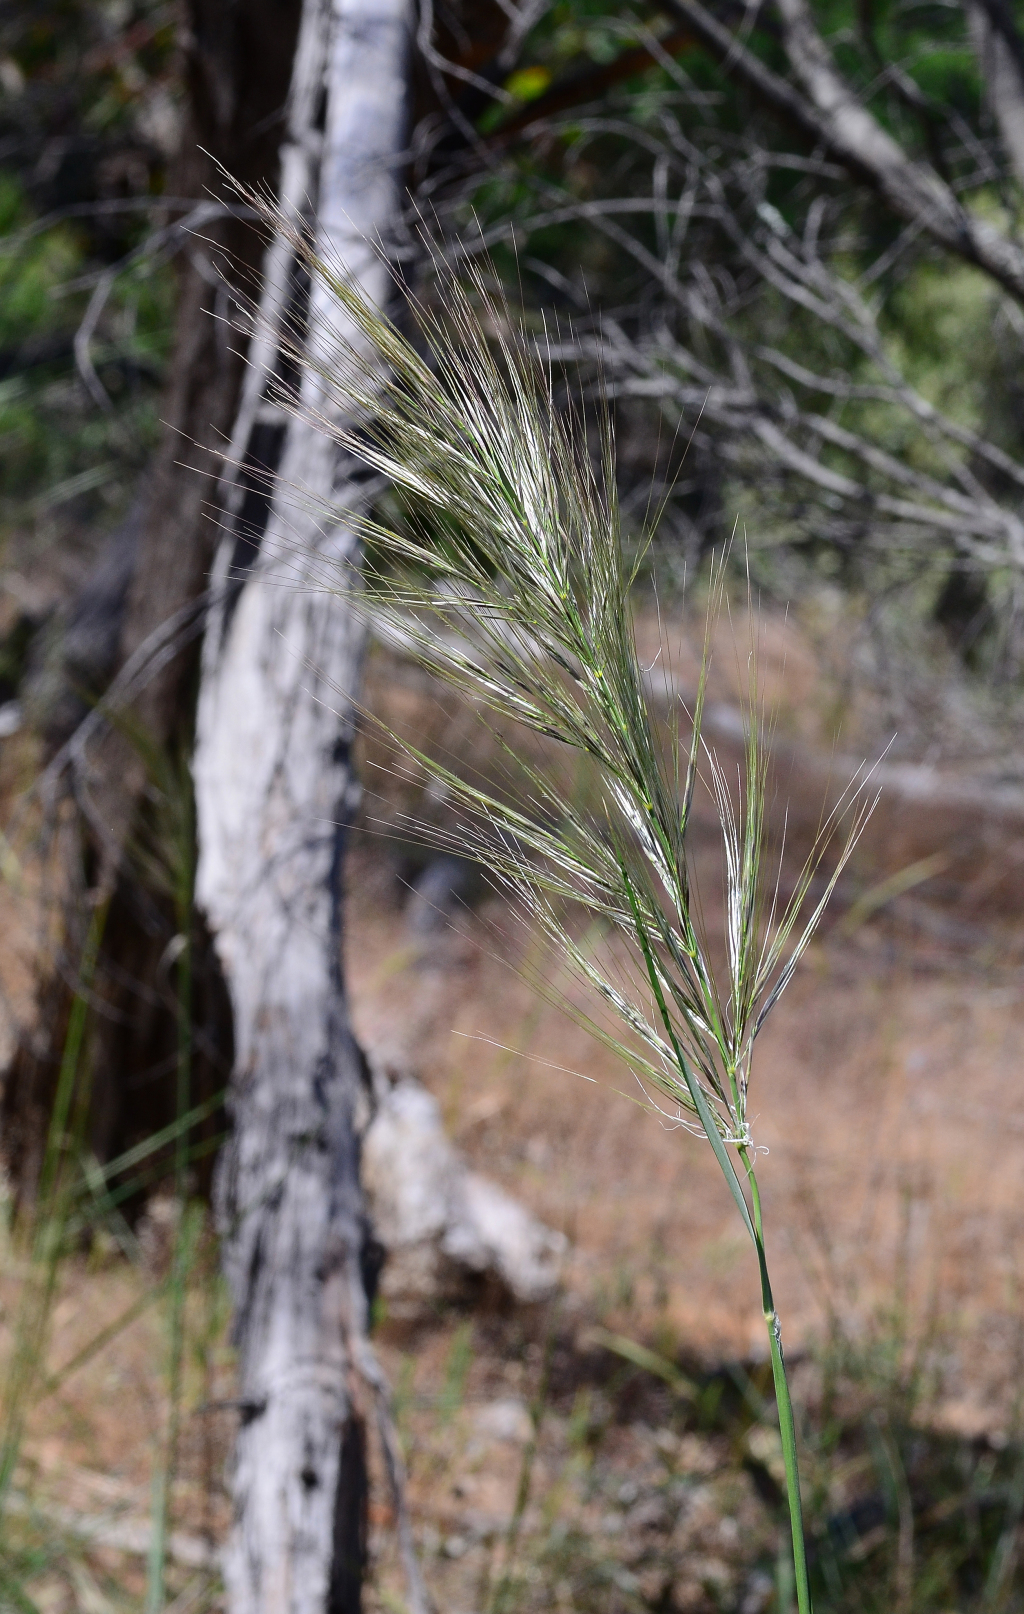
(507, 577)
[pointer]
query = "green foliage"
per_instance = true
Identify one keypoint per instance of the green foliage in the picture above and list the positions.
(59, 448)
(79, 76)
(587, 247)
(30, 277)
(87, 116)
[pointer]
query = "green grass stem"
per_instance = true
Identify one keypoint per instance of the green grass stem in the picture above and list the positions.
(504, 574)
(51, 1213)
(783, 1399)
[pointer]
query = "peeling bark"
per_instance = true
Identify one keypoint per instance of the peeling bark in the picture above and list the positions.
(274, 791)
(236, 67)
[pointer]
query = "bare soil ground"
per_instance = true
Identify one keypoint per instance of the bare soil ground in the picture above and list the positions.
(546, 1472)
(888, 1083)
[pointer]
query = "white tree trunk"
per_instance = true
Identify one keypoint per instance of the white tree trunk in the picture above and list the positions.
(274, 790)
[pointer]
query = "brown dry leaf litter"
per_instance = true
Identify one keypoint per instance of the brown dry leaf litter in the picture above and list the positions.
(888, 1086)
(888, 1092)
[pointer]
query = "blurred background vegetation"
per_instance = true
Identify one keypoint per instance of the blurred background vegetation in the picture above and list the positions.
(783, 351)
(630, 189)
(87, 123)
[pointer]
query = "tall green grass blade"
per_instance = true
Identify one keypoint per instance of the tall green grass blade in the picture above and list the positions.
(50, 1216)
(501, 1601)
(505, 576)
(101, 1340)
(650, 1361)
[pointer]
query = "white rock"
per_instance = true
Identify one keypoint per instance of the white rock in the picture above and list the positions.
(492, 1232)
(409, 1167)
(440, 1222)
(507, 1420)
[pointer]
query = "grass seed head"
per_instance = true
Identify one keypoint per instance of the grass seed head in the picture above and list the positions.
(506, 576)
